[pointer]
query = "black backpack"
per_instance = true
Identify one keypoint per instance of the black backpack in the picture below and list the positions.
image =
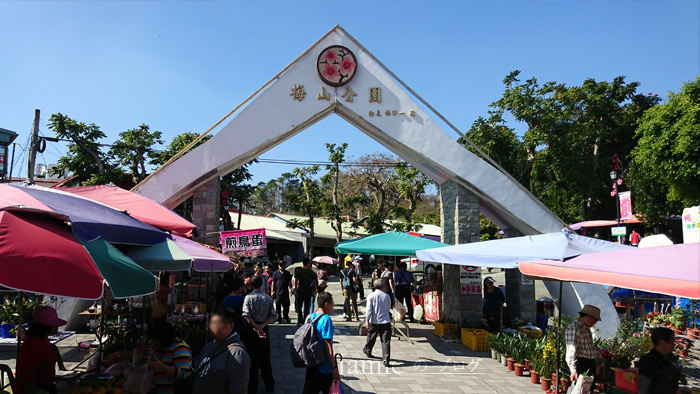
(306, 350)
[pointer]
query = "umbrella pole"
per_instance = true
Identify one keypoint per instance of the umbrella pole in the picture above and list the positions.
(102, 322)
(19, 325)
(561, 284)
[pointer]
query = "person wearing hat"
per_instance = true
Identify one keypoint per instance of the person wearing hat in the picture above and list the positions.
(580, 351)
(36, 369)
(493, 305)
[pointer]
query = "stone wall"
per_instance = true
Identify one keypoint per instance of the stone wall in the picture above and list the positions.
(205, 212)
(459, 219)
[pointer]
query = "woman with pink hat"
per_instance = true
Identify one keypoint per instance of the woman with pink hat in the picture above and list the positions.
(36, 369)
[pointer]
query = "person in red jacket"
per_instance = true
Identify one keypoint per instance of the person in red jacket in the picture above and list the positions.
(36, 369)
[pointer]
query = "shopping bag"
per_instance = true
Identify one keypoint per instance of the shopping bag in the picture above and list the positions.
(582, 386)
(399, 310)
(336, 387)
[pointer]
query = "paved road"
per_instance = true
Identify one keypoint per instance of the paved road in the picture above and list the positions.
(429, 364)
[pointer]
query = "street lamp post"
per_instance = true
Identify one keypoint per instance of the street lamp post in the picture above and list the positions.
(617, 175)
(613, 177)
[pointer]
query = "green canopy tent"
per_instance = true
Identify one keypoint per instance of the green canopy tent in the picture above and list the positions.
(388, 244)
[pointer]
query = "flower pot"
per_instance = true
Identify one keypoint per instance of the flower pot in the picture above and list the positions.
(545, 384)
(554, 378)
(510, 363)
(494, 354)
(564, 384)
(6, 330)
(527, 365)
(534, 377)
(693, 332)
(504, 360)
(519, 368)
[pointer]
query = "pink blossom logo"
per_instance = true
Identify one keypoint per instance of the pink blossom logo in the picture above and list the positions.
(336, 65)
(347, 65)
(330, 72)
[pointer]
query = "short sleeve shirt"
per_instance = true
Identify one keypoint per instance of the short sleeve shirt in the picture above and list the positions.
(306, 278)
(324, 327)
(281, 280)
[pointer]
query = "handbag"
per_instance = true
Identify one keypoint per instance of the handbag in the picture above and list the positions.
(336, 387)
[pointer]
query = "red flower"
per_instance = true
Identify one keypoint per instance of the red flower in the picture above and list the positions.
(330, 71)
(656, 95)
(347, 65)
(330, 55)
(224, 194)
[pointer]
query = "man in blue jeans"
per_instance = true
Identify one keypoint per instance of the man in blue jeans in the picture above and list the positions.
(320, 378)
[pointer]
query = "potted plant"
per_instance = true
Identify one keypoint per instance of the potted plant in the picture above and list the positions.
(495, 344)
(694, 316)
(519, 351)
(510, 344)
(536, 365)
(6, 319)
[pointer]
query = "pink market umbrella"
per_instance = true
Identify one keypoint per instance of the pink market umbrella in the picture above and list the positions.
(203, 258)
(325, 260)
(139, 207)
(672, 270)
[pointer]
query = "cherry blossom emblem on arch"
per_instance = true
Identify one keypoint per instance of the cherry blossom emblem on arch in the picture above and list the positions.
(336, 65)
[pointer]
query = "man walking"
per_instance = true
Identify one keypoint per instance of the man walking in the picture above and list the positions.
(281, 285)
(357, 264)
(259, 312)
(379, 323)
(580, 351)
(304, 289)
(224, 364)
(320, 377)
(404, 282)
(348, 281)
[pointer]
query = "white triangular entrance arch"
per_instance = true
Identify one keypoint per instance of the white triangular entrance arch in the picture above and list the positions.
(394, 119)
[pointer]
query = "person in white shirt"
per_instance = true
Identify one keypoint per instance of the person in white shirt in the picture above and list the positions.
(379, 322)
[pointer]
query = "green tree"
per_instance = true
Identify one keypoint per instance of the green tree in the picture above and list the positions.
(334, 205)
(84, 158)
(134, 148)
(501, 143)
(569, 130)
(309, 201)
(410, 184)
(236, 190)
(176, 145)
(664, 169)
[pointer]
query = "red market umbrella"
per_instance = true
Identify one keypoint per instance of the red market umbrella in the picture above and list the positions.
(672, 270)
(40, 254)
(139, 207)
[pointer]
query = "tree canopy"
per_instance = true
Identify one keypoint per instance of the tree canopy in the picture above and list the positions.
(665, 165)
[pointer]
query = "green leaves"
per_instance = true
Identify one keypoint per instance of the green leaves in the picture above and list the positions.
(665, 165)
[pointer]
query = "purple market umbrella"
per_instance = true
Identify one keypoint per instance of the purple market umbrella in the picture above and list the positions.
(203, 258)
(89, 219)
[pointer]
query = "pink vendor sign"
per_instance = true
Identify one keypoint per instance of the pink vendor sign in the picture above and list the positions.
(243, 240)
(626, 205)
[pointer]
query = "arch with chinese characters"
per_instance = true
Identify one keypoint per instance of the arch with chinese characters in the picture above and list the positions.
(355, 87)
(308, 91)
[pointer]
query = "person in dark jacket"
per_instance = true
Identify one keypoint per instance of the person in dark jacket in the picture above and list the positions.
(493, 305)
(658, 375)
(224, 364)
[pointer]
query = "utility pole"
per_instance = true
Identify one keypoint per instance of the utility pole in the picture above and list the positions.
(33, 146)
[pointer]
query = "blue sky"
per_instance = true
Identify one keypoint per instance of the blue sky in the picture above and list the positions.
(181, 65)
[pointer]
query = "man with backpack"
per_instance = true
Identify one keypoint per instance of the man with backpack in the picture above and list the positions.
(224, 364)
(304, 289)
(319, 378)
(349, 281)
